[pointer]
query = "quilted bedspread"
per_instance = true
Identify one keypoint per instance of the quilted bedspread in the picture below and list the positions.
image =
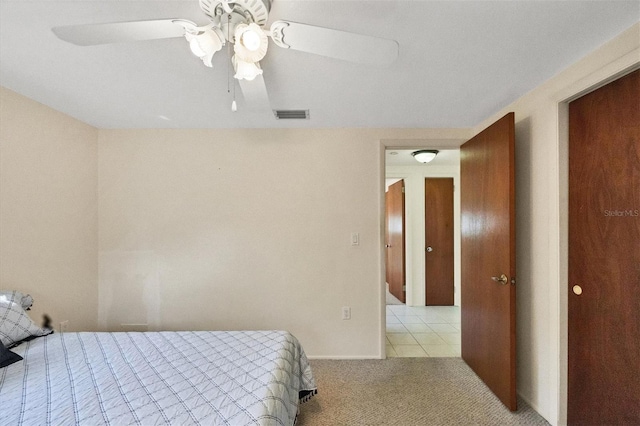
(177, 378)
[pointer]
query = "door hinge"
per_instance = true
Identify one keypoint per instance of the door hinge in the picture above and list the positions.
(403, 189)
(404, 288)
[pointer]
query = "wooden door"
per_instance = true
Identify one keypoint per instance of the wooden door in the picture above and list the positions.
(488, 306)
(604, 255)
(438, 202)
(395, 242)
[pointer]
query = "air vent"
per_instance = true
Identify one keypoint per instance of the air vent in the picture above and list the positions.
(291, 114)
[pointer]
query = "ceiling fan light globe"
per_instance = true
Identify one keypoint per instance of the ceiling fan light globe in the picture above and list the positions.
(195, 48)
(205, 45)
(251, 42)
(246, 70)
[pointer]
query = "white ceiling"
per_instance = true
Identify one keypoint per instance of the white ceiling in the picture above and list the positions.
(459, 62)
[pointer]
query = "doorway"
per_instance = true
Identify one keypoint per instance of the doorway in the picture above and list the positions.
(420, 330)
(403, 166)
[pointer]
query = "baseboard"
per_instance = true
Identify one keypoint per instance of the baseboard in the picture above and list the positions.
(534, 406)
(342, 357)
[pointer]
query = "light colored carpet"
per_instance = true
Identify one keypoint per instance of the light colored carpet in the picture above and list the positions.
(406, 391)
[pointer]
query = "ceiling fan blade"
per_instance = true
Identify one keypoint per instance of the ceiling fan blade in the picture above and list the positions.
(255, 94)
(117, 32)
(335, 43)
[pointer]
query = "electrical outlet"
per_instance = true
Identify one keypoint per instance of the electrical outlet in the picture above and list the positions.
(64, 326)
(346, 313)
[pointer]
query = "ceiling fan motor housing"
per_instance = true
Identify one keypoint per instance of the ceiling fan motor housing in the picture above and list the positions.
(258, 10)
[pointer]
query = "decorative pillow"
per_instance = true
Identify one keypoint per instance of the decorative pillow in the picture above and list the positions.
(15, 324)
(15, 296)
(7, 357)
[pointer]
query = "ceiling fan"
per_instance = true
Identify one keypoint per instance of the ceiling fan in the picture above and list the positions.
(243, 24)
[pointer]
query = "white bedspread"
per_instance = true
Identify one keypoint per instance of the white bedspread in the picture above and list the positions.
(178, 378)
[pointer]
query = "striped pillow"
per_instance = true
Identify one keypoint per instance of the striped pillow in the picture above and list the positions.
(15, 324)
(24, 299)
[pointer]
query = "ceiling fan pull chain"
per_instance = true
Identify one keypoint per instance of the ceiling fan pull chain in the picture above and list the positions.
(228, 53)
(234, 105)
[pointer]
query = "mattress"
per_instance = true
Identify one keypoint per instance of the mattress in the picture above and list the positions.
(157, 378)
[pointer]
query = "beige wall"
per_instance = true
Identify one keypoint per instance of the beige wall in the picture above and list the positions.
(541, 211)
(195, 229)
(48, 210)
(232, 229)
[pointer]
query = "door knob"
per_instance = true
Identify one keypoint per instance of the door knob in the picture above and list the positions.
(429, 249)
(502, 279)
(387, 245)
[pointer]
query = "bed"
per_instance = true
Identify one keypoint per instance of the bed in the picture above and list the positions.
(151, 378)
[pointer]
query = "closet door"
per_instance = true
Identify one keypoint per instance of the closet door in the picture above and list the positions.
(438, 218)
(604, 255)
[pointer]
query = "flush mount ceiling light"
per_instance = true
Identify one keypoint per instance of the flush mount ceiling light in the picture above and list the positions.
(425, 155)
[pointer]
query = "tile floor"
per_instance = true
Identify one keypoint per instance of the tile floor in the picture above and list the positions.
(423, 331)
